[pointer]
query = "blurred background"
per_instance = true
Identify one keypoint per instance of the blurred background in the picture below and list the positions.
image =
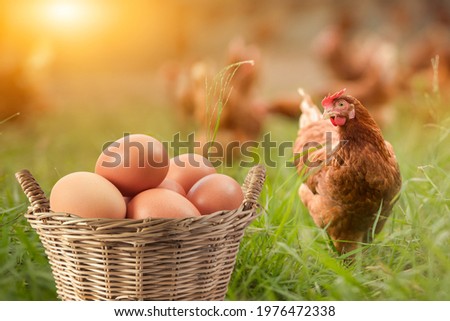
(75, 74)
(64, 53)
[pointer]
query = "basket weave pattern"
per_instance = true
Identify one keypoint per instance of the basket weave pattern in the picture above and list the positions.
(147, 259)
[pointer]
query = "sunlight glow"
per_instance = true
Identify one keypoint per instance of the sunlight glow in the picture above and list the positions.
(67, 13)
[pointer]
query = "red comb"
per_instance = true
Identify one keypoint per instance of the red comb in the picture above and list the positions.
(328, 100)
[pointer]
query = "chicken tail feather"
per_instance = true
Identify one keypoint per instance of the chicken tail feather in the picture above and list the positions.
(310, 112)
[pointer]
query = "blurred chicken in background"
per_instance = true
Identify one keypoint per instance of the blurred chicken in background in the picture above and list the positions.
(412, 57)
(223, 106)
(364, 62)
(427, 55)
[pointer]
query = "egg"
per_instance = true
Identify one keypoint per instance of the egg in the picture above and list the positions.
(160, 203)
(172, 185)
(187, 169)
(87, 195)
(216, 192)
(134, 163)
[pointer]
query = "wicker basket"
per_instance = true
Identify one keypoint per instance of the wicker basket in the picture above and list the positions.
(147, 259)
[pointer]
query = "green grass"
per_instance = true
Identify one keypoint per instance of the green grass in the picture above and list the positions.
(283, 255)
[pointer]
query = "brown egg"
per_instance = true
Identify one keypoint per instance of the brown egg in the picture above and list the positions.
(87, 195)
(187, 169)
(168, 183)
(160, 203)
(134, 163)
(216, 192)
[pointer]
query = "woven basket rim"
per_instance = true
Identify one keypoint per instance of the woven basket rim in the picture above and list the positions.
(73, 218)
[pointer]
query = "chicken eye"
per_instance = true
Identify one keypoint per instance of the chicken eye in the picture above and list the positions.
(340, 103)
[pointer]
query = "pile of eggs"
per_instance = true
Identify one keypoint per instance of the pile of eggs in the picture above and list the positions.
(134, 178)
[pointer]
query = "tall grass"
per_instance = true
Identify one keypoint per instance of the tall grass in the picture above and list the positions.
(218, 91)
(283, 255)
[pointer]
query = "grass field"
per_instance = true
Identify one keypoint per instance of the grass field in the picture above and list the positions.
(283, 256)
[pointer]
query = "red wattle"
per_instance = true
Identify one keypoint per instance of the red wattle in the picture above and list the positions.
(338, 121)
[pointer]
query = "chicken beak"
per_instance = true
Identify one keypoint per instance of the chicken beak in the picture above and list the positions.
(327, 114)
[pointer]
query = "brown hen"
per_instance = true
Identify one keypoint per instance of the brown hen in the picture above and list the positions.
(352, 178)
